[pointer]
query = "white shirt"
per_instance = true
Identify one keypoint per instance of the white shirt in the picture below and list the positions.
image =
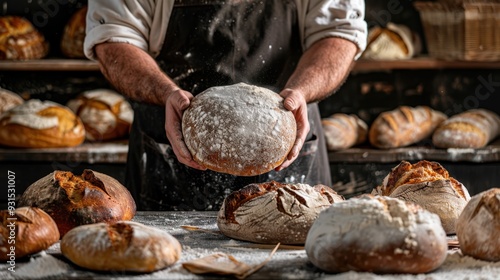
(143, 23)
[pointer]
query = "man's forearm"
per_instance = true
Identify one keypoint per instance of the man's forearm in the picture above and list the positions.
(133, 72)
(323, 68)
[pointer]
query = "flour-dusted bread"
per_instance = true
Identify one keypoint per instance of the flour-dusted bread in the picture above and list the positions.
(478, 227)
(343, 131)
(106, 114)
(30, 228)
(74, 35)
(9, 100)
(239, 129)
(429, 185)
(470, 129)
(121, 246)
(41, 124)
(376, 234)
(273, 212)
(19, 40)
(73, 200)
(404, 126)
(393, 41)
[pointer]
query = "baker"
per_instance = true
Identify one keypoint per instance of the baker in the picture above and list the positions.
(162, 53)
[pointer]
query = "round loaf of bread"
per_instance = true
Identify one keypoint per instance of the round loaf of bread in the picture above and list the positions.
(376, 234)
(274, 212)
(105, 114)
(74, 35)
(19, 40)
(478, 227)
(121, 246)
(41, 124)
(239, 129)
(73, 200)
(9, 100)
(429, 185)
(30, 228)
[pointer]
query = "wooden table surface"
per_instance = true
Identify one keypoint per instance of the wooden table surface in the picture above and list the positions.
(289, 263)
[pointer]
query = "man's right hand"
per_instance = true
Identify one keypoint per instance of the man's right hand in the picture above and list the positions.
(178, 101)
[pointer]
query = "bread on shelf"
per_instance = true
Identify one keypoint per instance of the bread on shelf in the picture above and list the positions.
(74, 35)
(20, 40)
(343, 131)
(9, 100)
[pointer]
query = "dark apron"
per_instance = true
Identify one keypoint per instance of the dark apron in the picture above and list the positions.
(256, 42)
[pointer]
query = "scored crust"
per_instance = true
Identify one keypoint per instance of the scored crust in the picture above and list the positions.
(9, 100)
(239, 129)
(19, 40)
(273, 212)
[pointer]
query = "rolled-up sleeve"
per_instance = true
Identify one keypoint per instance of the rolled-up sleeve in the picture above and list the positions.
(124, 21)
(336, 18)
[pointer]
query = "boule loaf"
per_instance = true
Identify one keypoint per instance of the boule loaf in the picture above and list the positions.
(376, 234)
(273, 212)
(429, 185)
(478, 227)
(74, 34)
(343, 131)
(33, 231)
(404, 126)
(73, 200)
(238, 129)
(121, 246)
(20, 40)
(106, 114)
(9, 100)
(470, 129)
(41, 124)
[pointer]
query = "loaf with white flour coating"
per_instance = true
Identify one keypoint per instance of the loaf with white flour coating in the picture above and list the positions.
(274, 212)
(478, 227)
(239, 129)
(376, 234)
(429, 185)
(122, 246)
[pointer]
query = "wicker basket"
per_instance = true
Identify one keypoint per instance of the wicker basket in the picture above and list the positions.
(462, 30)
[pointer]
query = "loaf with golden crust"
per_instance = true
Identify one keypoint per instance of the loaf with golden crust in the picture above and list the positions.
(120, 246)
(470, 129)
(273, 212)
(376, 234)
(33, 231)
(74, 35)
(478, 227)
(404, 126)
(343, 131)
(9, 100)
(41, 124)
(73, 200)
(429, 185)
(239, 129)
(106, 114)
(19, 40)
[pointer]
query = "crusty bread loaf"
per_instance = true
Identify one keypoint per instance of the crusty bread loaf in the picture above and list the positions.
(41, 124)
(19, 40)
(478, 227)
(376, 234)
(343, 131)
(28, 230)
(105, 114)
(239, 129)
(9, 100)
(404, 126)
(470, 129)
(74, 35)
(273, 212)
(429, 185)
(393, 41)
(121, 246)
(74, 200)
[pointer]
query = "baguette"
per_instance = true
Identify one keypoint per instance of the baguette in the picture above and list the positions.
(404, 126)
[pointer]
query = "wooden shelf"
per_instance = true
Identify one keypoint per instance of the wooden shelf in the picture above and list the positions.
(363, 65)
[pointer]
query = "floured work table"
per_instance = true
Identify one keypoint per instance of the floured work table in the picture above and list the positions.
(289, 263)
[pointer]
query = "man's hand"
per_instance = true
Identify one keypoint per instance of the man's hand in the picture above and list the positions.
(296, 103)
(178, 101)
